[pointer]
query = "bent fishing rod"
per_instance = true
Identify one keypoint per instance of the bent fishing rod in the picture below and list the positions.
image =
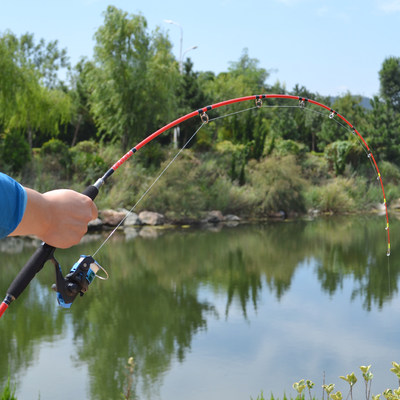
(86, 268)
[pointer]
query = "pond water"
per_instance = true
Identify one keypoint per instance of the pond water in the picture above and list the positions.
(211, 314)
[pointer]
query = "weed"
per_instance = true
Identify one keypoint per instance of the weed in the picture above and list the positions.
(8, 392)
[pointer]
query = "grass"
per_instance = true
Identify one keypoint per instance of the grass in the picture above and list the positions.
(303, 387)
(8, 391)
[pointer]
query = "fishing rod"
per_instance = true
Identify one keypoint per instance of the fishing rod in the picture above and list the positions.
(86, 268)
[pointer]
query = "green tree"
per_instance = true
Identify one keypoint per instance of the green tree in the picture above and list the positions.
(244, 77)
(82, 119)
(307, 123)
(350, 108)
(37, 106)
(384, 130)
(10, 81)
(191, 96)
(132, 78)
(389, 77)
(47, 58)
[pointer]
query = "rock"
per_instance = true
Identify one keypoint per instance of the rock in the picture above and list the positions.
(112, 217)
(214, 217)
(95, 224)
(231, 218)
(314, 212)
(151, 218)
(132, 219)
(11, 245)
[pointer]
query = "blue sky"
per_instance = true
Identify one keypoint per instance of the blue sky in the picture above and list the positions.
(330, 47)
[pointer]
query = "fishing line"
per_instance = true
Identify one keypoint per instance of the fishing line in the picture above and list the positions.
(148, 189)
(232, 113)
(166, 168)
(172, 161)
(83, 271)
(343, 126)
(264, 106)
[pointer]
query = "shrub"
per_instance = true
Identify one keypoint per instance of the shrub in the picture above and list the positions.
(289, 147)
(56, 158)
(279, 185)
(390, 172)
(87, 166)
(174, 193)
(342, 152)
(15, 152)
(334, 197)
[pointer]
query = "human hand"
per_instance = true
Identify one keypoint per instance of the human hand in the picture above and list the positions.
(59, 217)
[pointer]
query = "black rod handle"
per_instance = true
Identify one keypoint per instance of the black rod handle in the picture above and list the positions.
(43, 253)
(36, 262)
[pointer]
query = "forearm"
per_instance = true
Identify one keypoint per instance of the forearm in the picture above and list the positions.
(37, 217)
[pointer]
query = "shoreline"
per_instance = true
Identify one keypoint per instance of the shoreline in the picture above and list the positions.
(149, 224)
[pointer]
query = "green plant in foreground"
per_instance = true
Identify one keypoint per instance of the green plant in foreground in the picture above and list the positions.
(130, 366)
(390, 394)
(351, 380)
(328, 388)
(310, 385)
(299, 387)
(367, 375)
(8, 392)
(396, 370)
(337, 396)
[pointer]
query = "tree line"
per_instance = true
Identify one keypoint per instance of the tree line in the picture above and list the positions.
(133, 86)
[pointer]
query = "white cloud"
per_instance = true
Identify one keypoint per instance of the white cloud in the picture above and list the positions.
(389, 6)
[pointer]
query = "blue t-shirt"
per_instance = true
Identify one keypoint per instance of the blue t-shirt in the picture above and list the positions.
(13, 199)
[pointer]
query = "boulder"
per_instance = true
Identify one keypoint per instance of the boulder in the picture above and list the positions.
(132, 219)
(95, 224)
(112, 217)
(214, 217)
(151, 218)
(231, 218)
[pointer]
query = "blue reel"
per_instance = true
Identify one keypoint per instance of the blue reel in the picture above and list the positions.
(77, 281)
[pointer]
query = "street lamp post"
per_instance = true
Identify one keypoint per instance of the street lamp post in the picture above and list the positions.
(176, 131)
(169, 21)
(181, 54)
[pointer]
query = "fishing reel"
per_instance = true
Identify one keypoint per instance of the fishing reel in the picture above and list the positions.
(77, 281)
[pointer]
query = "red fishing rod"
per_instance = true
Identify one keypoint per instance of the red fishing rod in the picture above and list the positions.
(85, 269)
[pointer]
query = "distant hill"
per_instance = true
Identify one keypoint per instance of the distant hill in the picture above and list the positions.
(365, 102)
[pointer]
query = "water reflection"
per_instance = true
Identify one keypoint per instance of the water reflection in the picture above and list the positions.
(154, 306)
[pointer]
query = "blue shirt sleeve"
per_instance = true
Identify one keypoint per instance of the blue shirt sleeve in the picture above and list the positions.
(13, 199)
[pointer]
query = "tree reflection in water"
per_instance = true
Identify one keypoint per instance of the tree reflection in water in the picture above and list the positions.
(151, 307)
